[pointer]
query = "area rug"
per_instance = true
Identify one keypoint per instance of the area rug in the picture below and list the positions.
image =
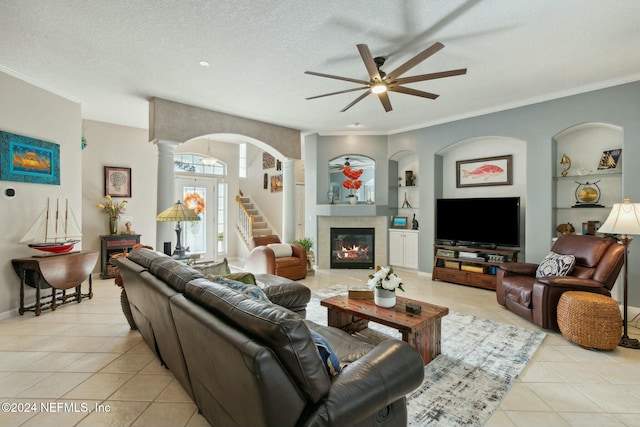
(463, 386)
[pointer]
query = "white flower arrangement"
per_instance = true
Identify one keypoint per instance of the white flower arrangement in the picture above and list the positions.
(385, 278)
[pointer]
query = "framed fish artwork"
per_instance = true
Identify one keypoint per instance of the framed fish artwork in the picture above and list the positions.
(484, 172)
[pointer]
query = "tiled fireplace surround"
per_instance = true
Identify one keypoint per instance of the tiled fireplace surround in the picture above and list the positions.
(325, 223)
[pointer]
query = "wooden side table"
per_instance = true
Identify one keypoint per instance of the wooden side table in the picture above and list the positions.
(61, 271)
(111, 244)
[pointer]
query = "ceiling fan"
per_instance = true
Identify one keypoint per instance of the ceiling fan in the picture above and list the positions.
(382, 83)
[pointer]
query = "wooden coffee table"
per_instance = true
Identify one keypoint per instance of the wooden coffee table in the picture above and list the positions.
(421, 331)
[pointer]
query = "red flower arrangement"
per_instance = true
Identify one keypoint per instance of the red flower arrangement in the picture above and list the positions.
(353, 179)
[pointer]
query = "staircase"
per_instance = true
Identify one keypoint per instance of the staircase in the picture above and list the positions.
(250, 221)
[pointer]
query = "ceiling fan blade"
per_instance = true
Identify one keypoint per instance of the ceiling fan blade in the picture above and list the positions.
(358, 99)
(367, 58)
(386, 103)
(409, 91)
(431, 76)
(330, 76)
(434, 48)
(339, 92)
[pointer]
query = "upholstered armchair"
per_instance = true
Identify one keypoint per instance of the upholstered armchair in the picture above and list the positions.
(271, 256)
(597, 263)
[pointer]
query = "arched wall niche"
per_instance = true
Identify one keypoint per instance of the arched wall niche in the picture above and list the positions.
(399, 163)
(477, 148)
(585, 144)
(336, 178)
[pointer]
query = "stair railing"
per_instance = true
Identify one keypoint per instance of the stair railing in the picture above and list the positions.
(245, 221)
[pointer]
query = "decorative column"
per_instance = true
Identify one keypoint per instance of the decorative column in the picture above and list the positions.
(165, 231)
(288, 201)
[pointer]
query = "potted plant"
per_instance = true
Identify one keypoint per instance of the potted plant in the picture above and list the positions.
(352, 182)
(307, 244)
(385, 282)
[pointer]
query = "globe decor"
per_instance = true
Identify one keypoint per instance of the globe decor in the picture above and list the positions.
(384, 283)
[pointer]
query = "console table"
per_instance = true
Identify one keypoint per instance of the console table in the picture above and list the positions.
(60, 271)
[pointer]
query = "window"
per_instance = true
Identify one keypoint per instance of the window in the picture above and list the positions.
(192, 163)
(242, 155)
(222, 217)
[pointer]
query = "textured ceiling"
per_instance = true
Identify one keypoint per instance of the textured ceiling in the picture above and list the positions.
(112, 56)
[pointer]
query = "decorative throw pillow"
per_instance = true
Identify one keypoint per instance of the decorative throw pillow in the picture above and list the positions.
(242, 276)
(281, 249)
(249, 290)
(218, 268)
(556, 265)
(329, 358)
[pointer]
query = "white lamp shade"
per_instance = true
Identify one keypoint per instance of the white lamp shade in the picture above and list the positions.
(209, 161)
(623, 219)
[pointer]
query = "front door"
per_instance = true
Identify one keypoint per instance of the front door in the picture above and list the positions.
(199, 237)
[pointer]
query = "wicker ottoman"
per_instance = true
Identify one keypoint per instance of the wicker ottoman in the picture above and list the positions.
(590, 320)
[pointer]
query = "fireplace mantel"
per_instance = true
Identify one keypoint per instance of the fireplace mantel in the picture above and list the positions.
(345, 209)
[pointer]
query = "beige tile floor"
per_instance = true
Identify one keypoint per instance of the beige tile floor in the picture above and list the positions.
(82, 366)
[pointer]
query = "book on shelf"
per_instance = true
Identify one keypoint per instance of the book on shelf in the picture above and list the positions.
(473, 268)
(446, 252)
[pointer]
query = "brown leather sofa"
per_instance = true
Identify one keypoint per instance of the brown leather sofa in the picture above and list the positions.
(597, 265)
(247, 362)
(263, 259)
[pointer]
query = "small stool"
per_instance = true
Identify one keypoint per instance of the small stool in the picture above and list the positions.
(590, 320)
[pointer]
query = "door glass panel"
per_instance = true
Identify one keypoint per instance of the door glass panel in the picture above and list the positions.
(222, 217)
(195, 232)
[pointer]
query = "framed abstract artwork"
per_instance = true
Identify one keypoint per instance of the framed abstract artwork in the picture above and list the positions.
(25, 159)
(117, 181)
(276, 183)
(484, 172)
(268, 161)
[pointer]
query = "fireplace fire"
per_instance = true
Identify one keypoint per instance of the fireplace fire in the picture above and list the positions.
(352, 247)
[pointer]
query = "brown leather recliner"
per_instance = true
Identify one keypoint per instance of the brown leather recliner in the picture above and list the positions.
(263, 259)
(598, 263)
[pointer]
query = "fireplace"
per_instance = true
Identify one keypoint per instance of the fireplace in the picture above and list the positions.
(352, 247)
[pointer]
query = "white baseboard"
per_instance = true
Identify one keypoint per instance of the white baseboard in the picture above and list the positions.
(9, 314)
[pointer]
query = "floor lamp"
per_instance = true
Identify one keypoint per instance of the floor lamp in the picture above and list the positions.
(178, 213)
(624, 219)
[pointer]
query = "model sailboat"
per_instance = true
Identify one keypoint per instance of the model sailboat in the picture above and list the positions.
(53, 231)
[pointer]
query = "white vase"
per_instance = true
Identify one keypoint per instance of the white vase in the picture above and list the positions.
(384, 298)
(353, 200)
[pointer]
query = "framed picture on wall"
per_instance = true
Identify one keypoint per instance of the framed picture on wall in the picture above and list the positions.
(485, 171)
(268, 161)
(276, 183)
(117, 181)
(25, 159)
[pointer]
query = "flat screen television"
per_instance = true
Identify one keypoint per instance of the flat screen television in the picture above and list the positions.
(486, 221)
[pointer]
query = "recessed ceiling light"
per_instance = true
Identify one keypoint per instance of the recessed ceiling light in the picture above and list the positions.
(204, 63)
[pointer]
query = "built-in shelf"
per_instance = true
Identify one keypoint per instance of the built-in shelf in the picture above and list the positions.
(592, 176)
(584, 144)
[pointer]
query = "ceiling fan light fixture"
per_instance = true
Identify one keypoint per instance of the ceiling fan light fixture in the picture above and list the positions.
(379, 87)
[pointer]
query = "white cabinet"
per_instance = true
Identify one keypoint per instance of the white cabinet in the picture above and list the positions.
(403, 248)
